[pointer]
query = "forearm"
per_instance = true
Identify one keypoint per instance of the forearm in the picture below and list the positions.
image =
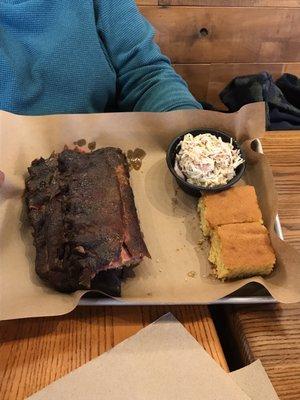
(155, 88)
(146, 80)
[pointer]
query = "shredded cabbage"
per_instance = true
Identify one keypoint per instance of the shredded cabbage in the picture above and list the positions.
(205, 160)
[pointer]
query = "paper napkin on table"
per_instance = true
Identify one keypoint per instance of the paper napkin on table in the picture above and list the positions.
(254, 381)
(162, 361)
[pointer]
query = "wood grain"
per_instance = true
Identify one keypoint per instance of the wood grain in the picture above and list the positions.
(242, 35)
(35, 352)
(283, 152)
(292, 69)
(231, 3)
(272, 332)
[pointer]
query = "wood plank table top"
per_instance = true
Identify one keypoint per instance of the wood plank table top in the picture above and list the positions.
(272, 332)
(35, 352)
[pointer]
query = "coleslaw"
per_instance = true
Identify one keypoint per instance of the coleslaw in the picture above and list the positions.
(205, 160)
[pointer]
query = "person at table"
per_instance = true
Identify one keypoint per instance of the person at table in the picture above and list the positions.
(66, 56)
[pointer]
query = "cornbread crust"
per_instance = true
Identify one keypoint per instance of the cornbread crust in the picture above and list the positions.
(204, 224)
(241, 250)
(235, 205)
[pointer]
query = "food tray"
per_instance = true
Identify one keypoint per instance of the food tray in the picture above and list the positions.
(252, 293)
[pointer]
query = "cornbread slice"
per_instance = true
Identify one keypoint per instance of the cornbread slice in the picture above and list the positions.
(241, 250)
(235, 205)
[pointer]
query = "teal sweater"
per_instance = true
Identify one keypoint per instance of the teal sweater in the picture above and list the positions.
(82, 56)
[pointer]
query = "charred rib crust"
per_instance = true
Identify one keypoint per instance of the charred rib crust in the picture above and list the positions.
(82, 210)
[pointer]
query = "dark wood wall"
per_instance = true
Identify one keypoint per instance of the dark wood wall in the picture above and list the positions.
(211, 41)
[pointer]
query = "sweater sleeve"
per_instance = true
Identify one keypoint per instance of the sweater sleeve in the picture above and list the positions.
(145, 79)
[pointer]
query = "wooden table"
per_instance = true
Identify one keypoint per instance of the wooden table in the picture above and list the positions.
(35, 352)
(268, 332)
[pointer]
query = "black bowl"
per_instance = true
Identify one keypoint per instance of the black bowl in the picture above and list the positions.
(194, 190)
